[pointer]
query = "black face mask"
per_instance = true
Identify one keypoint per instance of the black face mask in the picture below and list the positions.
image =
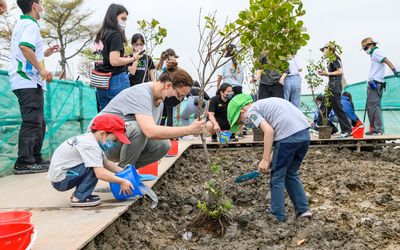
(171, 101)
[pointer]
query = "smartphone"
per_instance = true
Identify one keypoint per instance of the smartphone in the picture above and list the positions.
(141, 53)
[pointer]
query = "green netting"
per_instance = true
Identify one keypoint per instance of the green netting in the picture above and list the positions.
(390, 103)
(70, 105)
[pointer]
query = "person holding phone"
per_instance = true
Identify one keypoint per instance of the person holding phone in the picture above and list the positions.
(141, 70)
(28, 78)
(112, 35)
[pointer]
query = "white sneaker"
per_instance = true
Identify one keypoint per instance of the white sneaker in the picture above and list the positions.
(306, 214)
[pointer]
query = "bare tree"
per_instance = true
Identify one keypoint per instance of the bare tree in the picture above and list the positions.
(67, 24)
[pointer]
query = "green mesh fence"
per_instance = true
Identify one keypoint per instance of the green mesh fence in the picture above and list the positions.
(70, 105)
(390, 103)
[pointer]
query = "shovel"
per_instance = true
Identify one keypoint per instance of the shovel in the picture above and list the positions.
(246, 177)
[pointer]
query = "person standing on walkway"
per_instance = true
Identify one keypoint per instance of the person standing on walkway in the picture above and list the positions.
(335, 88)
(231, 72)
(271, 82)
(170, 103)
(292, 86)
(112, 35)
(376, 84)
(28, 78)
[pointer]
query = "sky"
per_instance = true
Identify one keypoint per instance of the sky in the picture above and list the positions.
(346, 21)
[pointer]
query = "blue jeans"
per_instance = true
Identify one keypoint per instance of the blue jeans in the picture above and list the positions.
(287, 158)
(292, 89)
(81, 177)
(117, 84)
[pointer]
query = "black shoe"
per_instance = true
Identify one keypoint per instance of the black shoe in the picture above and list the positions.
(90, 201)
(29, 169)
(43, 163)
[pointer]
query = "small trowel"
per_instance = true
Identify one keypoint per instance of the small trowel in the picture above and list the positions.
(246, 177)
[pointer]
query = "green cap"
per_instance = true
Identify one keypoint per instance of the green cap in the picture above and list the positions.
(235, 105)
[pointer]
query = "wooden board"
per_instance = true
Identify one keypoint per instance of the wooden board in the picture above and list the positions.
(59, 226)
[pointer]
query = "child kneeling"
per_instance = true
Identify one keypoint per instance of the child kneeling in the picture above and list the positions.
(285, 125)
(80, 161)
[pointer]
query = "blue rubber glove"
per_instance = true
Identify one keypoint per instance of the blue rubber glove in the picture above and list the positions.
(395, 72)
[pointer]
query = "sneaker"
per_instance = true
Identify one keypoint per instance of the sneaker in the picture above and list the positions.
(90, 201)
(29, 168)
(306, 214)
(234, 139)
(373, 133)
(344, 134)
(43, 162)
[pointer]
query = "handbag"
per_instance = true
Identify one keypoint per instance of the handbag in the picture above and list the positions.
(100, 80)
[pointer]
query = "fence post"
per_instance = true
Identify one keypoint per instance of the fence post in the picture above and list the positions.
(81, 118)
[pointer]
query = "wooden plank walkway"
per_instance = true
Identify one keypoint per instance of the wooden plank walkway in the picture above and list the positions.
(59, 225)
(62, 227)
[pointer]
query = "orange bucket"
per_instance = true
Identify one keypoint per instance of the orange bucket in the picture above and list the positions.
(15, 236)
(149, 169)
(15, 217)
(358, 132)
(174, 148)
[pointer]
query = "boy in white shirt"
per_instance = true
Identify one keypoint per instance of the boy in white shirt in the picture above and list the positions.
(28, 78)
(376, 84)
(80, 161)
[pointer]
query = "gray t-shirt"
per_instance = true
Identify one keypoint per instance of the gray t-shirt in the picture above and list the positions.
(281, 115)
(134, 100)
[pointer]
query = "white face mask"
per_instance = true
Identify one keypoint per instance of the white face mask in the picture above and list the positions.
(122, 24)
(368, 51)
(42, 13)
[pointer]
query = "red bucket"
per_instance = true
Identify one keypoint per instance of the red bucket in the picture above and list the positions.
(358, 132)
(174, 148)
(15, 217)
(149, 169)
(15, 236)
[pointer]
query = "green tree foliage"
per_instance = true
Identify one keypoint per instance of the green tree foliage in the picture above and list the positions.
(272, 28)
(153, 33)
(67, 24)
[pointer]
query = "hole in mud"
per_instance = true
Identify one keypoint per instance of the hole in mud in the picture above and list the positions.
(355, 199)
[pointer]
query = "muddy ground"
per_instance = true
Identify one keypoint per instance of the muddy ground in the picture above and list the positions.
(355, 199)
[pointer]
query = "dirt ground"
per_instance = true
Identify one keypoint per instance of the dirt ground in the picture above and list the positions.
(355, 199)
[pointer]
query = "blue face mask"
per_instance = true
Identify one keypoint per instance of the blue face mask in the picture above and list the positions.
(108, 145)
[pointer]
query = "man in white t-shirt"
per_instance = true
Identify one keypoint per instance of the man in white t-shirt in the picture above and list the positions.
(28, 81)
(376, 84)
(80, 161)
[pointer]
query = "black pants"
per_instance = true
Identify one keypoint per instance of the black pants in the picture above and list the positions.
(33, 125)
(274, 90)
(237, 90)
(335, 103)
(168, 115)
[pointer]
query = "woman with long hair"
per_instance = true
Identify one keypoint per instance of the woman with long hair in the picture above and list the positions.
(112, 36)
